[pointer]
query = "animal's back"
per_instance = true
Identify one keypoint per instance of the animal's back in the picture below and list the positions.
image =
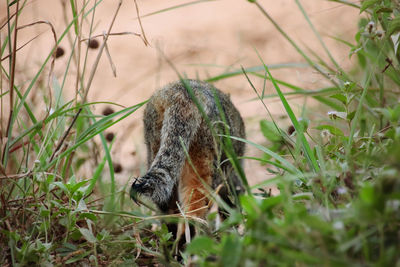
(174, 129)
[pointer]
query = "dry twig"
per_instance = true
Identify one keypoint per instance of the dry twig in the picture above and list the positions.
(96, 63)
(140, 23)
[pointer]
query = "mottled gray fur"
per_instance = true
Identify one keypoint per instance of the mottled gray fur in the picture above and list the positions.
(171, 121)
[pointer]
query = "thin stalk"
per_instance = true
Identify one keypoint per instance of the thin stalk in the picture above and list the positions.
(87, 49)
(299, 129)
(348, 3)
(298, 49)
(354, 122)
(35, 78)
(140, 24)
(78, 31)
(13, 50)
(320, 39)
(96, 63)
(1, 107)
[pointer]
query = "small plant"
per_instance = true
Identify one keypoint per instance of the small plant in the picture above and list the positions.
(336, 166)
(339, 187)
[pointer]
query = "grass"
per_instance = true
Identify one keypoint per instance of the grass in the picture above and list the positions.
(338, 176)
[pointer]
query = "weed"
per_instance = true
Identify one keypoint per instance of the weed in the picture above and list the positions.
(337, 171)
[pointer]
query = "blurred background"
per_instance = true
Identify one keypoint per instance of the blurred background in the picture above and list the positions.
(202, 39)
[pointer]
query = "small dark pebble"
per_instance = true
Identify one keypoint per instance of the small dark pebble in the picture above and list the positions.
(93, 44)
(291, 129)
(107, 111)
(59, 52)
(117, 168)
(110, 136)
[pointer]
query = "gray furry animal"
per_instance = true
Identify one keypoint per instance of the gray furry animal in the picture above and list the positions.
(173, 124)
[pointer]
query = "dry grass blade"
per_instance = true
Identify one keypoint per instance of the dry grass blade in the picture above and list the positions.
(12, 73)
(298, 49)
(184, 225)
(113, 34)
(65, 135)
(52, 60)
(113, 68)
(22, 46)
(7, 20)
(140, 23)
(17, 146)
(16, 176)
(2, 170)
(1, 110)
(149, 218)
(96, 63)
(140, 242)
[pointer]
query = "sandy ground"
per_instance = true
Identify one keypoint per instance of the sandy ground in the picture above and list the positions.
(202, 41)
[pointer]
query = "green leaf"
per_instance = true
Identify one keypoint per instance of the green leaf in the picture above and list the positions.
(250, 205)
(367, 4)
(340, 97)
(367, 194)
(88, 215)
(394, 26)
(88, 235)
(62, 187)
(395, 114)
(231, 251)
(270, 131)
(332, 129)
(200, 245)
(350, 116)
(383, 10)
(75, 187)
(270, 202)
(78, 257)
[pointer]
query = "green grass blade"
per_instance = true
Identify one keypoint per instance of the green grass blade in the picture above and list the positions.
(326, 101)
(355, 120)
(107, 156)
(229, 150)
(319, 38)
(286, 165)
(33, 81)
(96, 176)
(74, 15)
(100, 126)
(175, 7)
(306, 147)
(287, 37)
(345, 2)
(34, 129)
(255, 70)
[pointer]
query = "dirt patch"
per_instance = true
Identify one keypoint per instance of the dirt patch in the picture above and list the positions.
(202, 41)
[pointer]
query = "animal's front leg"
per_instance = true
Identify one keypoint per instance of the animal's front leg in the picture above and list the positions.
(155, 185)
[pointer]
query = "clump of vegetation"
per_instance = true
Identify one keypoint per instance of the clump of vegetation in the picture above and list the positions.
(338, 177)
